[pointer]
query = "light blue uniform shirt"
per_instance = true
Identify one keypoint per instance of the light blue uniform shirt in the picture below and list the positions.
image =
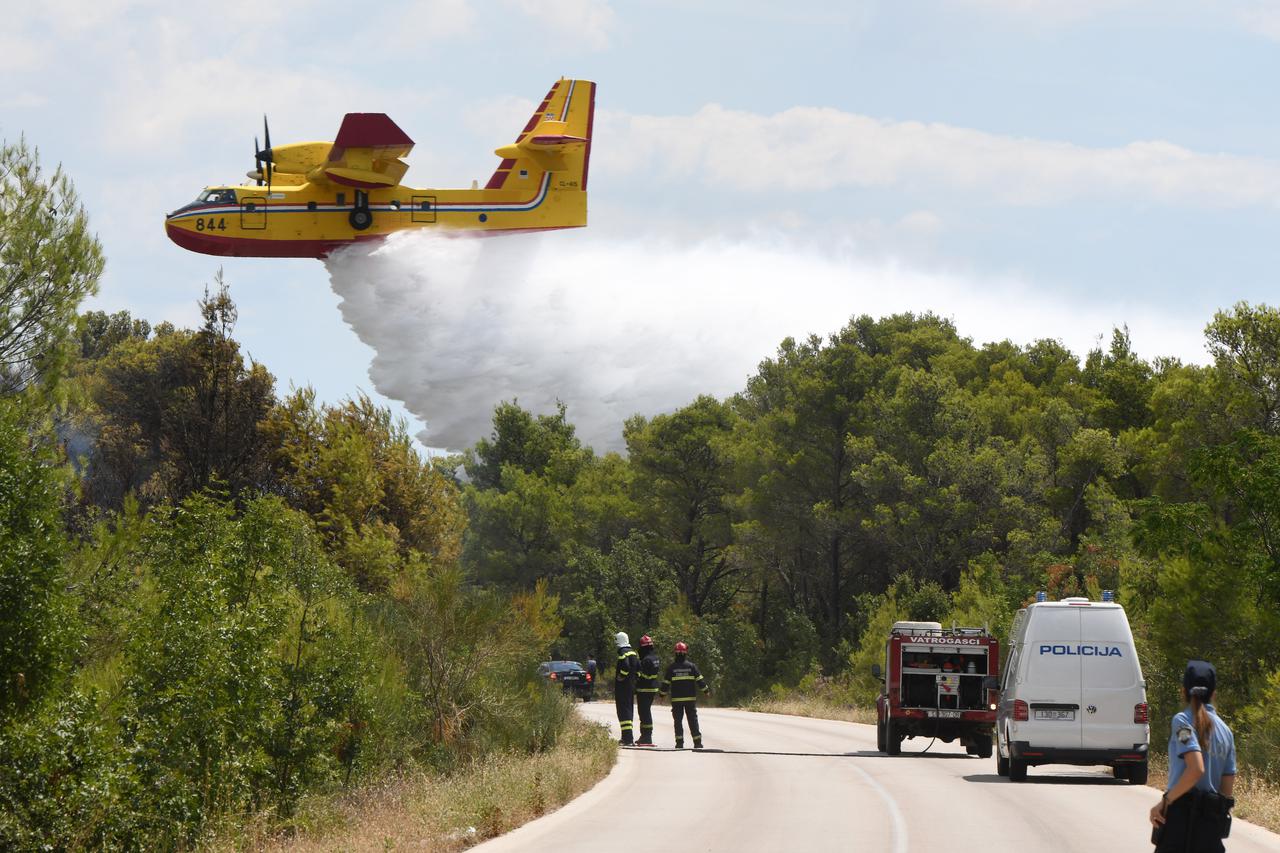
(1219, 758)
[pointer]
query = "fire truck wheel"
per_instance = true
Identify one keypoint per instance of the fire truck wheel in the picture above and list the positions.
(1002, 764)
(982, 746)
(1017, 770)
(880, 735)
(1137, 774)
(892, 740)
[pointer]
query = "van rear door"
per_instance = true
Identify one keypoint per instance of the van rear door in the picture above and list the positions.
(1051, 680)
(1111, 680)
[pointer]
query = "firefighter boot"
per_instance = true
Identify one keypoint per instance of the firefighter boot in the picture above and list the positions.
(697, 742)
(679, 743)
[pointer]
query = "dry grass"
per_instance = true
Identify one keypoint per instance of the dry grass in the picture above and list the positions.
(1257, 800)
(812, 706)
(426, 812)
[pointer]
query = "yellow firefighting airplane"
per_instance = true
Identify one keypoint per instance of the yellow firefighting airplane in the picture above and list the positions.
(320, 196)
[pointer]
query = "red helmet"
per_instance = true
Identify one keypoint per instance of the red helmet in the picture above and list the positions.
(646, 640)
(681, 649)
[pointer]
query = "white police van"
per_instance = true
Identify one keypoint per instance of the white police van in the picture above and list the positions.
(1072, 691)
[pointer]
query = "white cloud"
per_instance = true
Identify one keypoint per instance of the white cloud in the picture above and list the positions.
(1050, 11)
(1261, 17)
(428, 20)
(806, 149)
(591, 21)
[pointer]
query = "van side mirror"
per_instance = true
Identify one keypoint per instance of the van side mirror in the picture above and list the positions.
(990, 683)
(875, 670)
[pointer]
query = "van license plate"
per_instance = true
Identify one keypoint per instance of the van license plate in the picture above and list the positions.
(1055, 714)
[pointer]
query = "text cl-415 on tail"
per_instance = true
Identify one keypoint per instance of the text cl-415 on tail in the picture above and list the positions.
(310, 198)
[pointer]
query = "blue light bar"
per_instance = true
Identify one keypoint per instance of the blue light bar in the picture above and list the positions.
(1042, 596)
(1108, 595)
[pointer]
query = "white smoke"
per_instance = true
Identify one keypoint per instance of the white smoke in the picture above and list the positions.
(614, 329)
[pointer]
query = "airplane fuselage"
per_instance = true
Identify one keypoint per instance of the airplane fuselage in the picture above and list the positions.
(310, 221)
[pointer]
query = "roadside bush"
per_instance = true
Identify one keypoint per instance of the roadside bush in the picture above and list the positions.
(63, 781)
(1258, 733)
(35, 613)
(241, 680)
(468, 655)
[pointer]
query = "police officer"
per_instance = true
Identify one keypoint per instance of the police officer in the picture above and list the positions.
(647, 688)
(624, 686)
(682, 680)
(1194, 815)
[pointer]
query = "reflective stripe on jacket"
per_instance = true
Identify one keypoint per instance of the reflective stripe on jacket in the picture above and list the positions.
(682, 680)
(649, 671)
(628, 666)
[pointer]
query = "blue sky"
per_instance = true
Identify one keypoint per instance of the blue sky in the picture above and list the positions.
(1046, 168)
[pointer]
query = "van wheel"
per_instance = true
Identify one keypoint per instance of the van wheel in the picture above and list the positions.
(892, 741)
(1002, 764)
(1137, 774)
(1120, 771)
(1017, 770)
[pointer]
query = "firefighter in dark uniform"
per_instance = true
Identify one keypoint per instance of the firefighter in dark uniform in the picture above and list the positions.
(682, 681)
(1194, 815)
(624, 686)
(647, 689)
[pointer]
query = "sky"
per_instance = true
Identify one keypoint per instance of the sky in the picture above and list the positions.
(1027, 168)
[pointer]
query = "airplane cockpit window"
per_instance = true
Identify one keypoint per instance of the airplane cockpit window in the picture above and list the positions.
(217, 197)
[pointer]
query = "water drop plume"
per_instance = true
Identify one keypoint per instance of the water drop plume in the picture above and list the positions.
(618, 328)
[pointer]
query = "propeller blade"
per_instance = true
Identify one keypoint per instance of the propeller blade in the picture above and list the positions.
(257, 162)
(266, 132)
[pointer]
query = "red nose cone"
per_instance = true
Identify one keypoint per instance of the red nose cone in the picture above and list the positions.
(202, 243)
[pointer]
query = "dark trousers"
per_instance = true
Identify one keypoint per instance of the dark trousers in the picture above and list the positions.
(625, 703)
(683, 709)
(644, 704)
(1188, 829)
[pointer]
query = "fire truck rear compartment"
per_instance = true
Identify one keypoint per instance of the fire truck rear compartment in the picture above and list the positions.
(944, 679)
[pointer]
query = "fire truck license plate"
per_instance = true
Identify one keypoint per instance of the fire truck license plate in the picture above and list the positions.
(948, 715)
(1055, 714)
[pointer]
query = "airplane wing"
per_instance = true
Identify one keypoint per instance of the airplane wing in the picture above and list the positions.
(366, 152)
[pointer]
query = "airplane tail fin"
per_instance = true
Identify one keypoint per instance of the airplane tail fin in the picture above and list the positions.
(557, 139)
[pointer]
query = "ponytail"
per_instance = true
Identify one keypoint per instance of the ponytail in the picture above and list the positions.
(1200, 717)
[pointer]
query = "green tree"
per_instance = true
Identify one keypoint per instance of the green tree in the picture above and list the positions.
(1245, 344)
(173, 414)
(683, 475)
(49, 262)
(36, 640)
(353, 468)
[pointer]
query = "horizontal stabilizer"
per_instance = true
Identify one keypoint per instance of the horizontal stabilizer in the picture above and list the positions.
(555, 140)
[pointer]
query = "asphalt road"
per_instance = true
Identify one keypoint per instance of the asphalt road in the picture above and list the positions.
(796, 784)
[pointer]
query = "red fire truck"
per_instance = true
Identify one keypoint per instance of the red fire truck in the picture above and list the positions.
(938, 683)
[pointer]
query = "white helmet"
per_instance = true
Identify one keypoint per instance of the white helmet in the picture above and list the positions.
(622, 639)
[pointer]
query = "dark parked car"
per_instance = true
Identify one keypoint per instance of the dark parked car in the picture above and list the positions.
(571, 677)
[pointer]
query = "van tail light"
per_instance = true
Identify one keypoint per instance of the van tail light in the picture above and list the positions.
(1020, 710)
(1140, 713)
